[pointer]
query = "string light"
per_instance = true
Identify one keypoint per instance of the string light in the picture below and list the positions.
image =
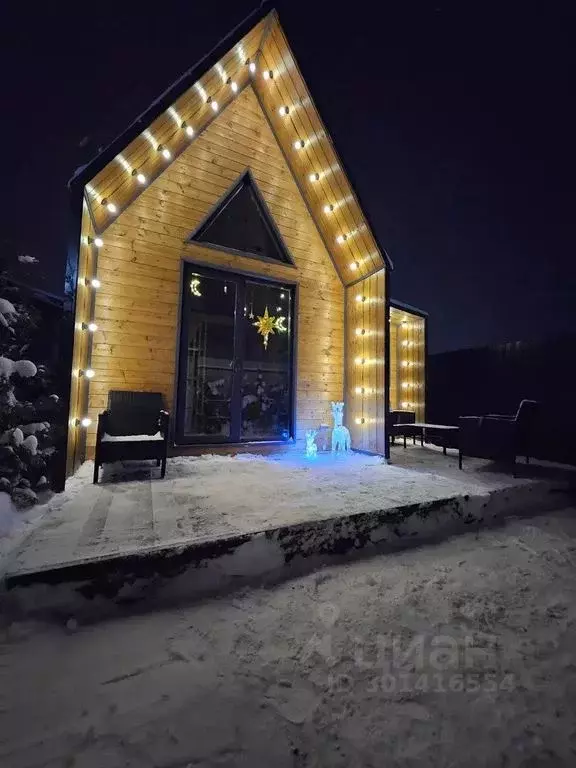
(188, 129)
(360, 298)
(360, 421)
(232, 84)
(93, 282)
(359, 390)
(164, 151)
(354, 266)
(284, 111)
(213, 103)
(89, 373)
(89, 327)
(139, 177)
(314, 177)
(97, 241)
(251, 65)
(360, 331)
(299, 144)
(360, 361)
(341, 238)
(328, 208)
(84, 422)
(268, 74)
(110, 206)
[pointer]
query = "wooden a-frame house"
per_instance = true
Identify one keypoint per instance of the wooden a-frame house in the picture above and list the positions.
(222, 257)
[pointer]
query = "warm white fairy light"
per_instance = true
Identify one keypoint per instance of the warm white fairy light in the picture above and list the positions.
(360, 420)
(328, 208)
(359, 390)
(232, 84)
(360, 331)
(268, 74)
(251, 65)
(314, 177)
(354, 266)
(213, 103)
(164, 151)
(360, 361)
(109, 206)
(97, 241)
(299, 144)
(284, 110)
(342, 238)
(404, 363)
(360, 298)
(140, 178)
(405, 405)
(188, 130)
(85, 422)
(89, 327)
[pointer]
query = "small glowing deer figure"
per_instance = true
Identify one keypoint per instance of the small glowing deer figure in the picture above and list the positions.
(311, 447)
(340, 434)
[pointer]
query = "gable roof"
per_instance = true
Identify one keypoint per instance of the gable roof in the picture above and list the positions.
(255, 54)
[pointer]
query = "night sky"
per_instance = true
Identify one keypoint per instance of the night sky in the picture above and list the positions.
(455, 120)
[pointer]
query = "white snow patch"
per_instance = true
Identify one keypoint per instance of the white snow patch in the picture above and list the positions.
(106, 438)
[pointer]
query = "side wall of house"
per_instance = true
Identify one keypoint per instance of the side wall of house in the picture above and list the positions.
(75, 453)
(366, 364)
(137, 306)
(408, 362)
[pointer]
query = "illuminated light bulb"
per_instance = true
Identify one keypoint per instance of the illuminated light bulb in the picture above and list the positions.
(342, 239)
(109, 206)
(360, 361)
(404, 363)
(358, 390)
(232, 84)
(89, 373)
(139, 177)
(360, 298)
(404, 343)
(282, 295)
(89, 327)
(299, 144)
(404, 385)
(405, 405)
(314, 177)
(213, 104)
(328, 208)
(251, 65)
(360, 331)
(188, 129)
(268, 74)
(94, 282)
(164, 151)
(360, 421)
(284, 111)
(97, 241)
(85, 422)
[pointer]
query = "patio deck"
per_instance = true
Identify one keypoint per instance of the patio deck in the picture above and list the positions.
(246, 514)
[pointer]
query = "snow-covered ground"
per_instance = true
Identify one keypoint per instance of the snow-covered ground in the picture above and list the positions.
(456, 654)
(211, 497)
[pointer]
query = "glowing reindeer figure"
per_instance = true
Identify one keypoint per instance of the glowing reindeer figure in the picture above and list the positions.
(340, 434)
(311, 447)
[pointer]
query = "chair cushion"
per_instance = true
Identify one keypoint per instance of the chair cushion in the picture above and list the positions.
(106, 438)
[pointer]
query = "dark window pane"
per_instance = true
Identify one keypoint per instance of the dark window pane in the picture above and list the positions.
(210, 357)
(242, 223)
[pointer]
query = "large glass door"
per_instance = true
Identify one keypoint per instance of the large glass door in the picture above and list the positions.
(235, 371)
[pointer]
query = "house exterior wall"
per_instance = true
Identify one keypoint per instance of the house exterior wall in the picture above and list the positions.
(366, 363)
(408, 362)
(139, 266)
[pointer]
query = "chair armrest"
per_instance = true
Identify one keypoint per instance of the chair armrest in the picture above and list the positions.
(102, 424)
(164, 423)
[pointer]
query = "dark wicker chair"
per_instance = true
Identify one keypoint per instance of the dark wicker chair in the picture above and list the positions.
(497, 437)
(396, 422)
(134, 427)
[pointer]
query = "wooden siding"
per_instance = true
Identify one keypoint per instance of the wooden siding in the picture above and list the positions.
(365, 363)
(82, 341)
(140, 268)
(359, 255)
(408, 362)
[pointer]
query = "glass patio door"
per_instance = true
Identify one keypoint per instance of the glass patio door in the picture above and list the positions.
(235, 370)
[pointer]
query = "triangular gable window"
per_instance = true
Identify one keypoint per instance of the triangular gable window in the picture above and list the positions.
(241, 223)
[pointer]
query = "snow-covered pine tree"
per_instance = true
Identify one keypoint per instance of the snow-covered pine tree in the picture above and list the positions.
(27, 403)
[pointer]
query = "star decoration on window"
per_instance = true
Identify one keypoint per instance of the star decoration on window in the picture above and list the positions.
(266, 325)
